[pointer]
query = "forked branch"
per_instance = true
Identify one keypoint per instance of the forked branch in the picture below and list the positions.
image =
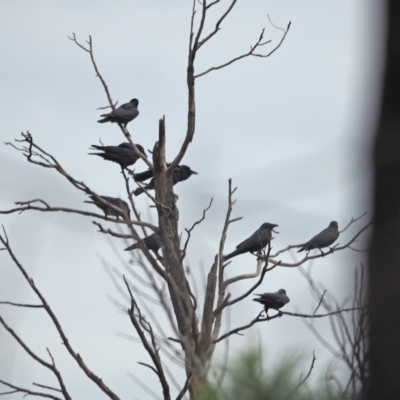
(98, 381)
(139, 323)
(251, 52)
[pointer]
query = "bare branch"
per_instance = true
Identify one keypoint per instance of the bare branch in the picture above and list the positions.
(129, 192)
(302, 381)
(249, 325)
(21, 305)
(28, 391)
(110, 101)
(321, 315)
(251, 52)
(352, 221)
(151, 349)
(245, 276)
(224, 367)
(221, 299)
(27, 205)
(320, 302)
(122, 235)
(98, 381)
(46, 387)
(251, 290)
(90, 51)
(189, 231)
(148, 366)
(331, 251)
(51, 367)
(185, 387)
(218, 24)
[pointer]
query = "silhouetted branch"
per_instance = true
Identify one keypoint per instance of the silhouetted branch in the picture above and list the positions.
(217, 25)
(320, 315)
(27, 205)
(221, 288)
(302, 381)
(185, 388)
(228, 303)
(98, 381)
(352, 221)
(152, 350)
(46, 387)
(110, 101)
(251, 52)
(189, 231)
(21, 305)
(90, 51)
(249, 325)
(110, 232)
(350, 334)
(27, 391)
(333, 249)
(51, 367)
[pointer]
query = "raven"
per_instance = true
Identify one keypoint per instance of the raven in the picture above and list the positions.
(123, 114)
(152, 242)
(255, 243)
(108, 210)
(273, 300)
(181, 173)
(123, 154)
(324, 239)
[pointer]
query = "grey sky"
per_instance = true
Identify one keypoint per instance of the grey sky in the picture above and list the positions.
(292, 131)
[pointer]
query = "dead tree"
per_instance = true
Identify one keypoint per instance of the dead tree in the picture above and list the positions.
(195, 323)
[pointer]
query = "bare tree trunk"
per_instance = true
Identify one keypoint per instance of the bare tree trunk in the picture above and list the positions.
(172, 260)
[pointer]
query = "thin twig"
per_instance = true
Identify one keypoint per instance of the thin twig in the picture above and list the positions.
(249, 325)
(321, 315)
(189, 231)
(302, 381)
(150, 348)
(98, 381)
(22, 305)
(251, 52)
(28, 391)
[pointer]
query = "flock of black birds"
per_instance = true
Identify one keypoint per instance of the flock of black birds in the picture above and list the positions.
(125, 155)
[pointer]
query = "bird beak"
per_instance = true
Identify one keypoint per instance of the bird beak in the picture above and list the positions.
(194, 172)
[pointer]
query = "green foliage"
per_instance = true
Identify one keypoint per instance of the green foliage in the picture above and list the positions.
(246, 379)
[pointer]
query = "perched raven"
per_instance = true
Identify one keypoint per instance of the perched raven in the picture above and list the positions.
(255, 243)
(123, 154)
(181, 173)
(108, 210)
(273, 300)
(123, 114)
(323, 239)
(152, 242)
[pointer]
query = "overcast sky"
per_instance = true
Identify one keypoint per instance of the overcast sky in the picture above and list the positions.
(293, 132)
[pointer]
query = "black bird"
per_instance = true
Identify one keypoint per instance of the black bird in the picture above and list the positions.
(274, 300)
(123, 114)
(108, 210)
(123, 154)
(323, 239)
(181, 173)
(255, 243)
(152, 242)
